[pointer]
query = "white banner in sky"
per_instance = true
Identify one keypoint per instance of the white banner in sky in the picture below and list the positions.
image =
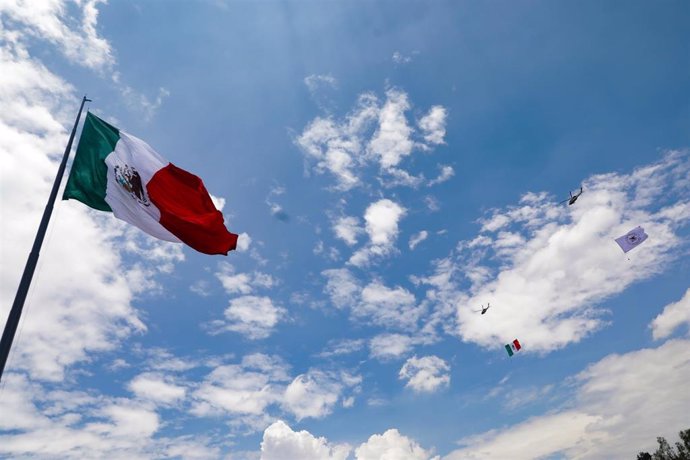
(632, 239)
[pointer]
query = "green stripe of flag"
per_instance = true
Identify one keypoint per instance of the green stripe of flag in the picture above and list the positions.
(509, 350)
(89, 174)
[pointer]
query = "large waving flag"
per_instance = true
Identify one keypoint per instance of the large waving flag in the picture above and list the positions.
(115, 171)
(632, 239)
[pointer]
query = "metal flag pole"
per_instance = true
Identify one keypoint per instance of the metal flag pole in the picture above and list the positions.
(23, 289)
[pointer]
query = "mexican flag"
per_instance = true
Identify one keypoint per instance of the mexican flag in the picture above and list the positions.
(115, 171)
(513, 347)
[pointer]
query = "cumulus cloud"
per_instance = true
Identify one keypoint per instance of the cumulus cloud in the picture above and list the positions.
(76, 38)
(381, 218)
(391, 445)
(156, 388)
(75, 424)
(347, 229)
(376, 303)
(392, 140)
(249, 315)
(390, 307)
(315, 393)
(335, 146)
(426, 374)
(281, 442)
(673, 316)
(242, 283)
(372, 133)
(390, 346)
(66, 321)
(342, 287)
(433, 125)
(382, 221)
(620, 405)
(243, 242)
(547, 270)
(247, 388)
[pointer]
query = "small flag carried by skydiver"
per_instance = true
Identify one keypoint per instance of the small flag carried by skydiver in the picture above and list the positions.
(513, 347)
(632, 239)
(117, 172)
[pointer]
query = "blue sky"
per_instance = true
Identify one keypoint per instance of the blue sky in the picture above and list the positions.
(391, 166)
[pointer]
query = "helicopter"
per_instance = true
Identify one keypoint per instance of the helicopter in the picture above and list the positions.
(573, 198)
(484, 309)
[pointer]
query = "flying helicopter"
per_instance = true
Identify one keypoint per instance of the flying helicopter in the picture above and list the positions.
(484, 309)
(573, 198)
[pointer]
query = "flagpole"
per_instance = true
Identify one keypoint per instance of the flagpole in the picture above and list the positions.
(23, 289)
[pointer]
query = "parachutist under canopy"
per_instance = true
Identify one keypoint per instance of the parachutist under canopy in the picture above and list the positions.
(573, 198)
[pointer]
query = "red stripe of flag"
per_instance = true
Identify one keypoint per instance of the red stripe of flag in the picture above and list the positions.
(188, 212)
(517, 344)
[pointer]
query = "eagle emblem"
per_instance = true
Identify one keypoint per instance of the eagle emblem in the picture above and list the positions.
(633, 238)
(130, 180)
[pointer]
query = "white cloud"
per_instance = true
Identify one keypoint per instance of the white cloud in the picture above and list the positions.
(316, 393)
(252, 316)
(342, 287)
(280, 442)
(377, 303)
(242, 389)
(417, 238)
(391, 445)
(66, 322)
(156, 388)
(218, 202)
(381, 219)
(392, 141)
(242, 283)
(432, 203)
(622, 403)
(446, 173)
(390, 346)
(314, 82)
(433, 125)
(77, 39)
(336, 147)
(201, 287)
(347, 229)
(547, 270)
(674, 315)
(73, 425)
(370, 133)
(243, 242)
(426, 374)
(342, 347)
(390, 307)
